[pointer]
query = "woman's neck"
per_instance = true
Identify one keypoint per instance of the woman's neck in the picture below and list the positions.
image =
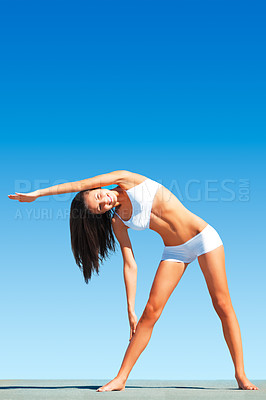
(122, 198)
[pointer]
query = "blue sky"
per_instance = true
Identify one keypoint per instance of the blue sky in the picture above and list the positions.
(172, 90)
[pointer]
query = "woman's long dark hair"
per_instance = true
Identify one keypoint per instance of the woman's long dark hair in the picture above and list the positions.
(92, 236)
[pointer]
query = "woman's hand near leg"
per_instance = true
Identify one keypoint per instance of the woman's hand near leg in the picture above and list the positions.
(133, 320)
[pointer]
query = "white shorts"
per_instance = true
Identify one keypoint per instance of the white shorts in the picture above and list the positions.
(207, 240)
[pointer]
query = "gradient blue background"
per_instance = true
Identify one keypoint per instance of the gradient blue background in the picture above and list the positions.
(173, 90)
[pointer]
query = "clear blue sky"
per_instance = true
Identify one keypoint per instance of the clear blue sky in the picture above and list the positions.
(174, 90)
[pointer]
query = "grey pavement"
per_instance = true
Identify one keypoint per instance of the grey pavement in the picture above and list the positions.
(135, 389)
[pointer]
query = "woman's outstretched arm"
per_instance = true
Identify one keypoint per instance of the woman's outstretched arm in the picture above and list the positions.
(111, 178)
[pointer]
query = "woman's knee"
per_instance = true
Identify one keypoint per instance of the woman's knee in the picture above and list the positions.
(223, 305)
(151, 313)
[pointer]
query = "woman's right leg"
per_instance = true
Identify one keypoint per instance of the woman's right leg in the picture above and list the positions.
(166, 279)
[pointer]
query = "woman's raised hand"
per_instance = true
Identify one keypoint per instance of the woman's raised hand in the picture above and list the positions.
(133, 320)
(24, 197)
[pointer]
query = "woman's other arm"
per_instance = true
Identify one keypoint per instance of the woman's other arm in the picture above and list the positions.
(111, 178)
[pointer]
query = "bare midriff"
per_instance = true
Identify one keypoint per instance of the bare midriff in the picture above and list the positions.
(172, 220)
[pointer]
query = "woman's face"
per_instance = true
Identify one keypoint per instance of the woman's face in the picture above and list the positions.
(99, 201)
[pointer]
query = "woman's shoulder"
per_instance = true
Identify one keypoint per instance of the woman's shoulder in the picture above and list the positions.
(130, 179)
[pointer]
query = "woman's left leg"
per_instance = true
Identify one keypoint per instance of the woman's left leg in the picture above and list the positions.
(166, 279)
(212, 265)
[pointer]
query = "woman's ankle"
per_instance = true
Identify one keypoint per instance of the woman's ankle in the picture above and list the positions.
(240, 374)
(121, 378)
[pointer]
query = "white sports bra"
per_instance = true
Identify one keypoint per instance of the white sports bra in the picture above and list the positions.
(141, 197)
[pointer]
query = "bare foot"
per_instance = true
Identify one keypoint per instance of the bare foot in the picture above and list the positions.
(244, 383)
(115, 384)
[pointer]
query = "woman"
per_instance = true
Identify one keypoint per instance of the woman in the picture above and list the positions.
(139, 202)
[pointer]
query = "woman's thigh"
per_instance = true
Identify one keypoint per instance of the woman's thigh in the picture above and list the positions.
(212, 265)
(166, 279)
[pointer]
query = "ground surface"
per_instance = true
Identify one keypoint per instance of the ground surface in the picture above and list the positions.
(135, 389)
